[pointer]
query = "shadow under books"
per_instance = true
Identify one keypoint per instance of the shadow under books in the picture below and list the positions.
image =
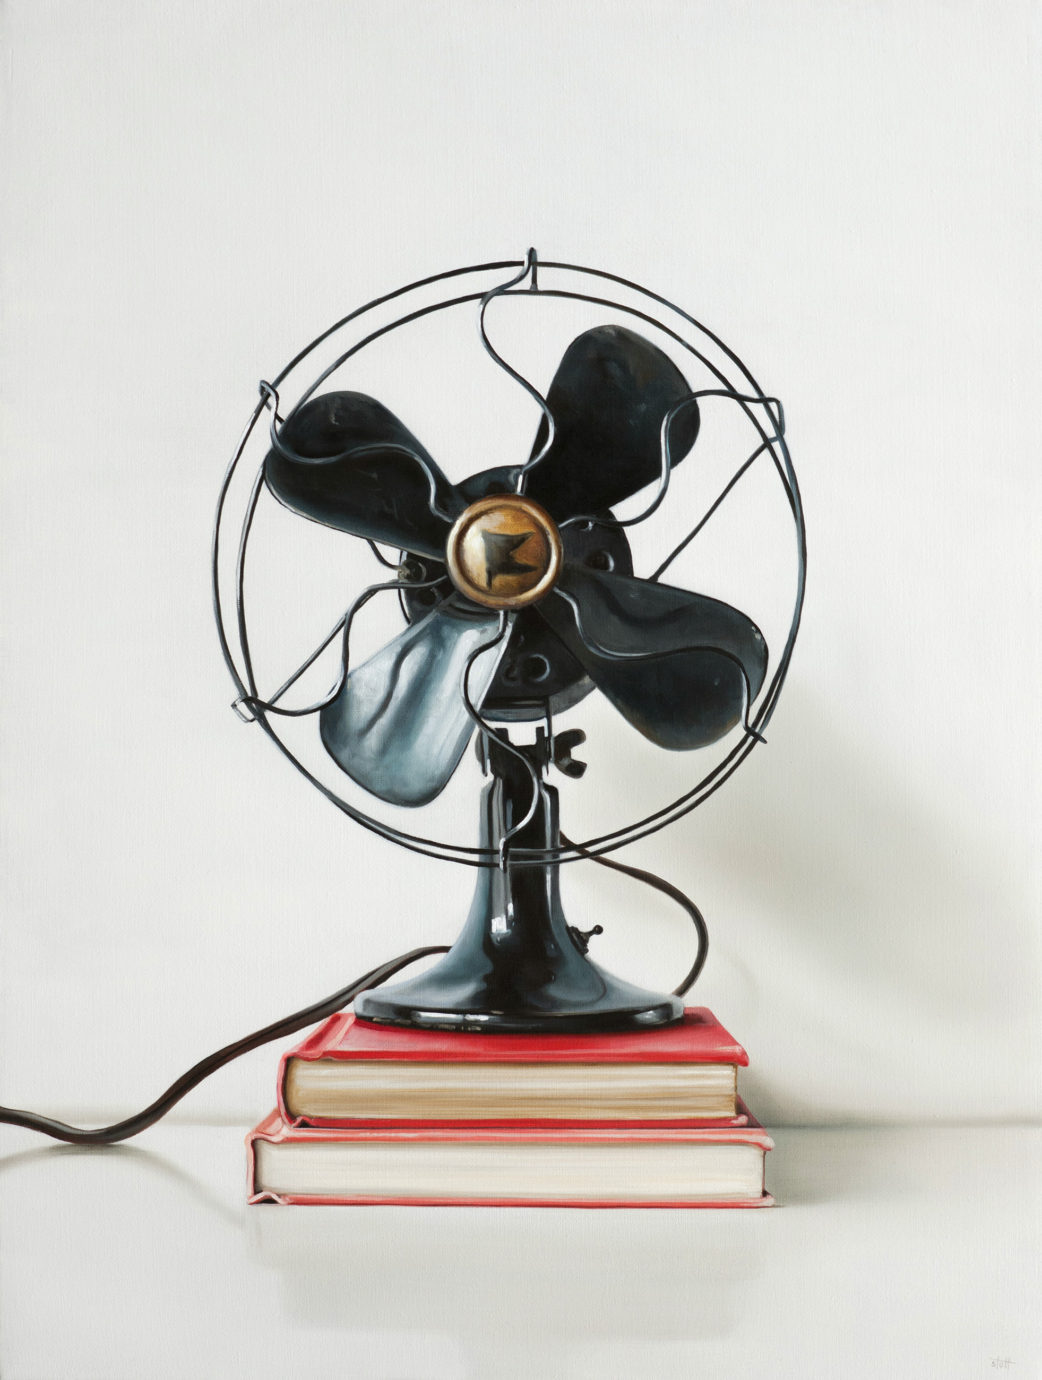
(656, 1273)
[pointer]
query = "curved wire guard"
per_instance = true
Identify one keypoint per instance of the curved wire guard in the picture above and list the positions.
(391, 565)
(271, 705)
(371, 448)
(613, 654)
(772, 443)
(666, 449)
(531, 269)
(686, 540)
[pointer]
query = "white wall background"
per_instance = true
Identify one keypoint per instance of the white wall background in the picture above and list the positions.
(848, 193)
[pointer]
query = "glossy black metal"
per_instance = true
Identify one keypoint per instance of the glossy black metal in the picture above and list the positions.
(398, 724)
(681, 667)
(609, 399)
(517, 966)
(345, 460)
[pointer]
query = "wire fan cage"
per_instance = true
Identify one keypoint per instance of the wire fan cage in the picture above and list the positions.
(475, 287)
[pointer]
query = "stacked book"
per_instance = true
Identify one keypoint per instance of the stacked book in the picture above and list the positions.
(375, 1114)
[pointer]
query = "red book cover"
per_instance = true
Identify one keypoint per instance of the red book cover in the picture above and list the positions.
(698, 1038)
(365, 1151)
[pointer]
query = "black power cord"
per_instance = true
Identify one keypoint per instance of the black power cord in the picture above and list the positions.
(668, 889)
(289, 1025)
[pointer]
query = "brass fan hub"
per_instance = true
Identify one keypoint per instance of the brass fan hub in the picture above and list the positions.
(504, 552)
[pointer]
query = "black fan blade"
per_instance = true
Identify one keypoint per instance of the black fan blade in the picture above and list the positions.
(341, 465)
(399, 725)
(686, 666)
(608, 399)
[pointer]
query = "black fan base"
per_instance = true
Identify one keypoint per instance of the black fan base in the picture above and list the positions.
(517, 966)
(436, 1001)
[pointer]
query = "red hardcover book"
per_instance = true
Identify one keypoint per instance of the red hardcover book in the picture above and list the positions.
(710, 1166)
(353, 1073)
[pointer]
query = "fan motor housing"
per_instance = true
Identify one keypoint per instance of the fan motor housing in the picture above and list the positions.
(538, 673)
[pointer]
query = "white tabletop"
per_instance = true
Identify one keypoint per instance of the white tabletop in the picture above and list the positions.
(893, 1252)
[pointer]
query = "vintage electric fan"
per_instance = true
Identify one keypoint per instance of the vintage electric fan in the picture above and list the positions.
(517, 598)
